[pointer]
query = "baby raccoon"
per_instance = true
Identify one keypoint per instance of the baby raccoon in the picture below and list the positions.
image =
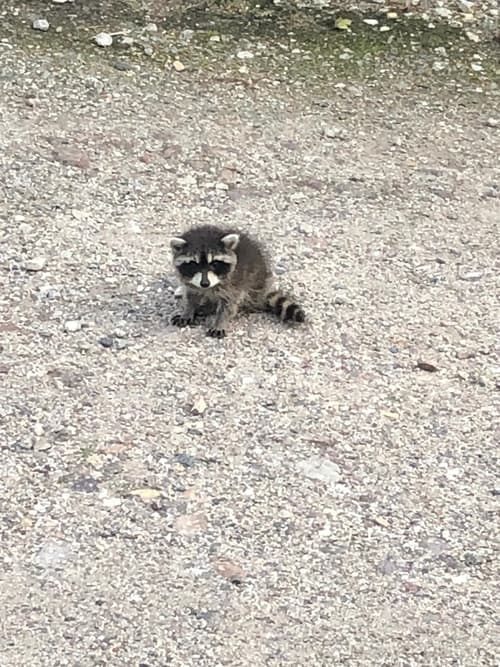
(223, 271)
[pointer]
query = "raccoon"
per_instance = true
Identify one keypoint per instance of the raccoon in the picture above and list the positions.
(222, 272)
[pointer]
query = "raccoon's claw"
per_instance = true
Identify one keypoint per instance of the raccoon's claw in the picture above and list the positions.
(180, 321)
(216, 333)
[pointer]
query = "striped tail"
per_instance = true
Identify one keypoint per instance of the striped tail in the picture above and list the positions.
(284, 307)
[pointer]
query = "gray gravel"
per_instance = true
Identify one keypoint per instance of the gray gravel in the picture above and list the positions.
(289, 496)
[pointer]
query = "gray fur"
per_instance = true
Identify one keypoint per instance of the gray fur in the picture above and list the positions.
(246, 284)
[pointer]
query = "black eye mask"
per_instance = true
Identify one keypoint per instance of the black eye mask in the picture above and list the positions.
(220, 268)
(189, 269)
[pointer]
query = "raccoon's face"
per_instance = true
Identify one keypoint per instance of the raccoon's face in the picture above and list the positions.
(204, 266)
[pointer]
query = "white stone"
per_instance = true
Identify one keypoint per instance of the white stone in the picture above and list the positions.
(41, 24)
(71, 326)
(103, 39)
(35, 264)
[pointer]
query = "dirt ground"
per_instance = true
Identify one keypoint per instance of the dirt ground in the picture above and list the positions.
(317, 495)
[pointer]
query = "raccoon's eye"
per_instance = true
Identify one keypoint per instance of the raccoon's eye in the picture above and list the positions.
(188, 269)
(220, 268)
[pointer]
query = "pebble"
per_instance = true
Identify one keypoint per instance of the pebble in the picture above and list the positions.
(438, 65)
(41, 445)
(472, 36)
(103, 39)
(334, 133)
(106, 341)
(53, 554)
(121, 65)
(186, 35)
(148, 50)
(121, 344)
(71, 326)
(127, 41)
(151, 27)
(443, 12)
(384, 28)
(41, 24)
(472, 276)
(178, 66)
(321, 469)
(370, 21)
(426, 366)
(477, 67)
(492, 122)
(35, 264)
(392, 15)
(185, 460)
(244, 55)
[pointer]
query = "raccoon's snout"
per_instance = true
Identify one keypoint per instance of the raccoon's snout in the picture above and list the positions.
(204, 282)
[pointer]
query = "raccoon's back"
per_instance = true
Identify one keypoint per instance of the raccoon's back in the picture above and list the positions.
(252, 271)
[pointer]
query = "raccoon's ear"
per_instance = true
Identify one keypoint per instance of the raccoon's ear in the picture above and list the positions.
(231, 241)
(176, 243)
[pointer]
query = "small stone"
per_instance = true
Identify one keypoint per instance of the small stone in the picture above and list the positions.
(476, 67)
(103, 39)
(85, 485)
(279, 269)
(186, 35)
(71, 326)
(426, 366)
(384, 28)
(185, 460)
(121, 344)
(121, 65)
(320, 469)
(35, 264)
(151, 27)
(53, 554)
(438, 65)
(127, 41)
(370, 21)
(229, 570)
(148, 50)
(60, 2)
(199, 406)
(41, 445)
(72, 157)
(492, 122)
(178, 66)
(190, 524)
(387, 566)
(41, 24)
(472, 276)
(465, 5)
(472, 36)
(392, 15)
(214, 38)
(441, 51)
(106, 341)
(443, 12)
(333, 133)
(244, 55)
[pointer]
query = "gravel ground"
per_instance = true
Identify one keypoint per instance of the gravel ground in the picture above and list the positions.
(320, 495)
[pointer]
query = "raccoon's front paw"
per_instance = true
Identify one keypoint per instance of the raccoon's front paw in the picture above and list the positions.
(216, 333)
(181, 321)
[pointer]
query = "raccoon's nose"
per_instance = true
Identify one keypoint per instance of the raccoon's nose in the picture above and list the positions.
(204, 282)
